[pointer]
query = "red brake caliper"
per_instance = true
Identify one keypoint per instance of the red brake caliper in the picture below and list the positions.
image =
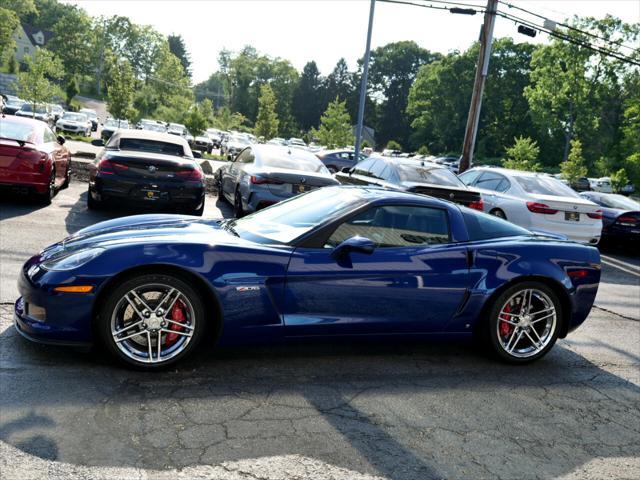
(505, 328)
(177, 315)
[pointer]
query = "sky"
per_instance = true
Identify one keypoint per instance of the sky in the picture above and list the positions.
(325, 30)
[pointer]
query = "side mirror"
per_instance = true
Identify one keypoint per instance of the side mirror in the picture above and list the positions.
(197, 154)
(61, 139)
(98, 142)
(345, 170)
(353, 244)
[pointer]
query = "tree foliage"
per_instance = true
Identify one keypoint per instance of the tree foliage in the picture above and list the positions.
(335, 126)
(523, 155)
(267, 121)
(619, 179)
(199, 117)
(179, 49)
(36, 84)
(574, 167)
(121, 90)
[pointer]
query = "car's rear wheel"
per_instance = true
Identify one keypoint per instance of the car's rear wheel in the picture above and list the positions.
(237, 205)
(496, 212)
(524, 322)
(92, 203)
(151, 321)
(46, 197)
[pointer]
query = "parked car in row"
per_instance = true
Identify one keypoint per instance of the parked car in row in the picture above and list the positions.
(215, 136)
(93, 117)
(56, 111)
(147, 169)
(38, 111)
(296, 142)
(12, 104)
(262, 175)
(110, 126)
(411, 176)
(203, 143)
(602, 184)
(152, 125)
(32, 159)
(277, 141)
(77, 123)
(337, 160)
(233, 144)
(620, 218)
(536, 201)
(337, 262)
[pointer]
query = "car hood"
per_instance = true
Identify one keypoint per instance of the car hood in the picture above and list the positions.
(152, 228)
(71, 122)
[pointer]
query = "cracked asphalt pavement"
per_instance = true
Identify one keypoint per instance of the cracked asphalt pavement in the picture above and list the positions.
(317, 410)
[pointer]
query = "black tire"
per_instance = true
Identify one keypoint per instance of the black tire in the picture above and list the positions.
(67, 177)
(104, 319)
(496, 212)
(491, 331)
(193, 210)
(238, 212)
(92, 203)
(221, 196)
(46, 197)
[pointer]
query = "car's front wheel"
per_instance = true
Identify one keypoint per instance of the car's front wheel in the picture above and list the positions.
(151, 321)
(238, 211)
(524, 322)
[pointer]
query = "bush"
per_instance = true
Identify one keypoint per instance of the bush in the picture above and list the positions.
(423, 150)
(618, 180)
(393, 145)
(574, 167)
(523, 155)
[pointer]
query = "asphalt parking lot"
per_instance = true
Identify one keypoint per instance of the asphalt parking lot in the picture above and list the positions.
(405, 411)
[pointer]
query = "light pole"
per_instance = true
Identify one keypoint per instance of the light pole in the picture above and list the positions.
(363, 84)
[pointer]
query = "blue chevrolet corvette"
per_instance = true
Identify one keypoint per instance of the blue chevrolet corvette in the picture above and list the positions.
(334, 262)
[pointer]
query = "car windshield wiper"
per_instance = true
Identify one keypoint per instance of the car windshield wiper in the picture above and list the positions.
(227, 225)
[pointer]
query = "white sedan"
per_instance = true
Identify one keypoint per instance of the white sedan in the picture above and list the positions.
(536, 201)
(74, 123)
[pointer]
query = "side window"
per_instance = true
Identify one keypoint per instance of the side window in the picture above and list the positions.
(363, 168)
(469, 177)
(49, 136)
(246, 156)
(492, 181)
(396, 226)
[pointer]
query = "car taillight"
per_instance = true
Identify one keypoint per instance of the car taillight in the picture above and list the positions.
(536, 207)
(107, 167)
(597, 215)
(578, 273)
(262, 180)
(627, 221)
(477, 205)
(193, 174)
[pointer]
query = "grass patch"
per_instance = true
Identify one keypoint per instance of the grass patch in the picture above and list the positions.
(213, 156)
(77, 138)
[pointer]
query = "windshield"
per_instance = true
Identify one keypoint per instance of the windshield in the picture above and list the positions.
(615, 201)
(293, 162)
(437, 176)
(75, 117)
(239, 139)
(154, 127)
(89, 113)
(288, 220)
(116, 123)
(541, 185)
(27, 107)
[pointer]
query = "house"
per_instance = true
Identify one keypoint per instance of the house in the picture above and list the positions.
(28, 38)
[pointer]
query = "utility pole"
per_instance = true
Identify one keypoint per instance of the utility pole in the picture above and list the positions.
(482, 69)
(363, 84)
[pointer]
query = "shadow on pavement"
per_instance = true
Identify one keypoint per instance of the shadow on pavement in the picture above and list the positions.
(402, 410)
(14, 205)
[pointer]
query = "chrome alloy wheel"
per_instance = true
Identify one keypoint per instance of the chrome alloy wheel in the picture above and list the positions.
(152, 323)
(526, 323)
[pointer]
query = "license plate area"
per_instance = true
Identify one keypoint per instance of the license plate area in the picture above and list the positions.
(153, 194)
(572, 216)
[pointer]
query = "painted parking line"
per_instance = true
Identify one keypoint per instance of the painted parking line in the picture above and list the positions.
(623, 263)
(619, 267)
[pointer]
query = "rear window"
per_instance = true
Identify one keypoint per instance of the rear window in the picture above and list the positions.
(295, 163)
(152, 146)
(436, 176)
(544, 186)
(19, 131)
(482, 226)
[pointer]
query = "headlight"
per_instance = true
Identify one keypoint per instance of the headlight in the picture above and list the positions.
(72, 261)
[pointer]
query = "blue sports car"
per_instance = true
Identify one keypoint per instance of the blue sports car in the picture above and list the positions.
(334, 262)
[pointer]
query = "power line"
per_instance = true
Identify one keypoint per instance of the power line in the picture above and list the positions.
(593, 35)
(402, 2)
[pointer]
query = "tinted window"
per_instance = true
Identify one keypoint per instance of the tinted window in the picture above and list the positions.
(293, 162)
(492, 181)
(363, 167)
(396, 226)
(153, 146)
(614, 201)
(424, 174)
(469, 177)
(541, 185)
(482, 226)
(379, 170)
(246, 156)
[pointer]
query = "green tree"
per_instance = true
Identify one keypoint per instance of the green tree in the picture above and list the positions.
(574, 167)
(9, 21)
(335, 126)
(225, 119)
(523, 155)
(198, 118)
(618, 180)
(423, 150)
(121, 90)
(267, 121)
(71, 90)
(393, 145)
(12, 65)
(35, 84)
(179, 49)
(72, 42)
(308, 99)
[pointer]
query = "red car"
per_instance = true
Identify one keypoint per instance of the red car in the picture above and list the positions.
(32, 159)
